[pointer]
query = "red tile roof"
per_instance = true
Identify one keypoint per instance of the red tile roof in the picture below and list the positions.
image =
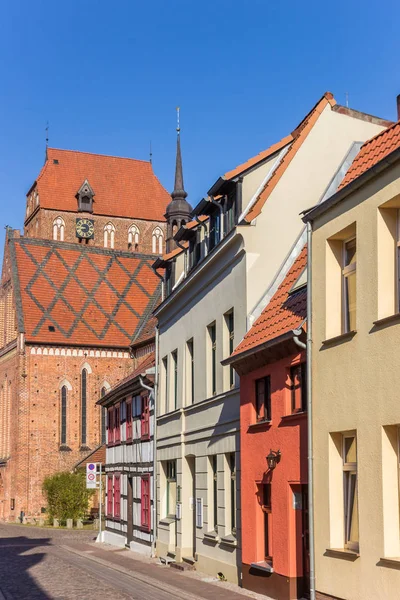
(96, 456)
(373, 151)
(299, 135)
(147, 333)
(259, 157)
(123, 187)
(89, 296)
(147, 362)
(284, 312)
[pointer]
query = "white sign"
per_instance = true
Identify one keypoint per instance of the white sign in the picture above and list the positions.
(91, 476)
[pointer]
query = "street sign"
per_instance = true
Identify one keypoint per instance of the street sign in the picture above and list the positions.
(91, 476)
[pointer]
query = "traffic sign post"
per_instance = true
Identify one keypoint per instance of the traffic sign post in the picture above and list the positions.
(93, 482)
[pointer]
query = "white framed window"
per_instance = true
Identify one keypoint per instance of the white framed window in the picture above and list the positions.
(58, 229)
(109, 235)
(199, 512)
(133, 237)
(157, 241)
(350, 491)
(349, 281)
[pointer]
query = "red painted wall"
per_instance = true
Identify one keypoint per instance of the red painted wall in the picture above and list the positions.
(287, 433)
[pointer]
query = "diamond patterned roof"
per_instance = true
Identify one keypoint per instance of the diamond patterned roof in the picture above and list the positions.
(72, 294)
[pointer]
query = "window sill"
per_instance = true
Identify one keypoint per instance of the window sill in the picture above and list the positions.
(260, 425)
(342, 553)
(338, 339)
(84, 449)
(386, 321)
(392, 563)
(262, 566)
(167, 521)
(212, 536)
(229, 540)
(64, 448)
(298, 415)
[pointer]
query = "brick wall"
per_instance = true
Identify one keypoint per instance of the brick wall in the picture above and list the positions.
(35, 428)
(41, 226)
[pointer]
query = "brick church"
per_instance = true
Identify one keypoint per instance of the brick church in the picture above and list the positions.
(76, 292)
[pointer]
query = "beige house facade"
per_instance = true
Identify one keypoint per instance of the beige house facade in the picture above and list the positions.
(224, 266)
(355, 393)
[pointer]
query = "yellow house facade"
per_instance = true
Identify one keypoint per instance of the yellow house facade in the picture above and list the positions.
(355, 330)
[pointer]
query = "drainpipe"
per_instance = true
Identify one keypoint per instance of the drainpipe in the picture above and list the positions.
(310, 459)
(221, 220)
(162, 282)
(152, 394)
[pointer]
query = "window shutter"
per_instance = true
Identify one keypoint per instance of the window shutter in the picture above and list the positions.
(109, 495)
(145, 418)
(199, 512)
(145, 502)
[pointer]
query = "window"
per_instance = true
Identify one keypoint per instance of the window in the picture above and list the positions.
(263, 399)
(298, 388)
(145, 418)
(229, 335)
(110, 426)
(85, 197)
(64, 414)
(117, 496)
(214, 463)
(157, 240)
(166, 383)
(199, 512)
(230, 212)
(212, 351)
(117, 424)
(266, 508)
(214, 231)
(171, 487)
(350, 491)
(190, 371)
(232, 467)
(349, 285)
(175, 377)
(109, 495)
(58, 229)
(145, 502)
(129, 420)
(83, 406)
(103, 417)
(109, 235)
(133, 237)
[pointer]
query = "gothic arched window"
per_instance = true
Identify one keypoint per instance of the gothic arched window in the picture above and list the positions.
(64, 393)
(157, 241)
(58, 229)
(109, 235)
(133, 237)
(83, 406)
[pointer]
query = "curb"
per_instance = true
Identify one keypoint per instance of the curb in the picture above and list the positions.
(165, 587)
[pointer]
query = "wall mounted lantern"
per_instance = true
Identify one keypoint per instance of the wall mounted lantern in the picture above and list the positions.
(273, 458)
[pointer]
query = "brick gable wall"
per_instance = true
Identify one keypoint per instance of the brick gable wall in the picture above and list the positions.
(41, 226)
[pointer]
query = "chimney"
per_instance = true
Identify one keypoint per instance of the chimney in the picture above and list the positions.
(398, 107)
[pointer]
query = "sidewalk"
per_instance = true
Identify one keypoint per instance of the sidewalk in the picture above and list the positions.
(190, 584)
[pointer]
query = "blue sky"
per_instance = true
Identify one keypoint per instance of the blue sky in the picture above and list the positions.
(108, 76)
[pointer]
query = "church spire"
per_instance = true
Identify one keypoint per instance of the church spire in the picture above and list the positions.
(178, 210)
(179, 189)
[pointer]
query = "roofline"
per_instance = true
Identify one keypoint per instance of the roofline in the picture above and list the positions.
(236, 358)
(121, 389)
(76, 465)
(97, 154)
(361, 180)
(363, 116)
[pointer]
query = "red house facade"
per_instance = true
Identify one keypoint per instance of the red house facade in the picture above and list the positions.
(273, 423)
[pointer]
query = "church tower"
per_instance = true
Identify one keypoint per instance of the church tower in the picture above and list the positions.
(178, 210)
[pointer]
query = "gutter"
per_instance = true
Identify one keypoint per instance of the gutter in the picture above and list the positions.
(232, 360)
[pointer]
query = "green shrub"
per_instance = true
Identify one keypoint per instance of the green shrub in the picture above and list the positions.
(67, 496)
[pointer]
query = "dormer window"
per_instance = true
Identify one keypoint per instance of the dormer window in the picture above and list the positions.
(85, 197)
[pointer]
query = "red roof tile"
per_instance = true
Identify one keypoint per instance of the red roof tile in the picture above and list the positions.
(259, 157)
(96, 456)
(373, 151)
(147, 333)
(147, 362)
(283, 313)
(299, 135)
(88, 296)
(123, 187)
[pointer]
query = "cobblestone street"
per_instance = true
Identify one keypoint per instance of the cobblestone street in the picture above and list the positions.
(47, 564)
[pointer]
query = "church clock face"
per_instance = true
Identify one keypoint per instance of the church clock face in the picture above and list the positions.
(84, 228)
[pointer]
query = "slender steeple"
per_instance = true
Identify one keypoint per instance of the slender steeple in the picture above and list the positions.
(178, 211)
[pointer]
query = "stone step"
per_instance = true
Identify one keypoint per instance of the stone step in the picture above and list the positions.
(166, 560)
(183, 566)
(189, 559)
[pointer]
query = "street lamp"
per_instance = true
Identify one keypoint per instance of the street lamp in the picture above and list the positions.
(273, 458)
